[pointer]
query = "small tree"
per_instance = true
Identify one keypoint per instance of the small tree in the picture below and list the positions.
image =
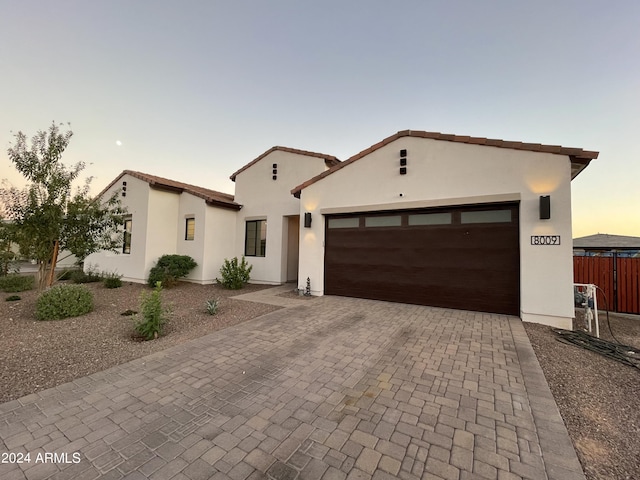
(7, 255)
(45, 217)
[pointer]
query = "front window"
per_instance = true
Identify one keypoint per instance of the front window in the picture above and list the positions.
(255, 241)
(190, 229)
(126, 245)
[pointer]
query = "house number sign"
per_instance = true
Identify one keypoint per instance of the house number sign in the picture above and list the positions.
(545, 239)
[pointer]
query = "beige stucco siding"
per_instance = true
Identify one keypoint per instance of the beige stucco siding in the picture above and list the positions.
(447, 173)
(265, 198)
(220, 240)
(137, 204)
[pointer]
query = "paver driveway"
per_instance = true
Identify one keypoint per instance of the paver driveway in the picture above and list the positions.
(335, 388)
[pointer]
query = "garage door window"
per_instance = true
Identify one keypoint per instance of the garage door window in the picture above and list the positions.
(344, 222)
(386, 221)
(430, 219)
(486, 216)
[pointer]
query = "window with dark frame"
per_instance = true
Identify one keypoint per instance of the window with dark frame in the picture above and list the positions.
(190, 229)
(255, 240)
(126, 244)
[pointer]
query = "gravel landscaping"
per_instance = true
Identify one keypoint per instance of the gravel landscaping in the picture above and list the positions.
(36, 355)
(599, 398)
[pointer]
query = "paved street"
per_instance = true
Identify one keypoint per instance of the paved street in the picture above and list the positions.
(333, 388)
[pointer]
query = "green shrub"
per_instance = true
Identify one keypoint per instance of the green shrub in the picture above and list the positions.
(16, 283)
(234, 275)
(169, 269)
(65, 274)
(89, 275)
(64, 301)
(12, 298)
(112, 280)
(212, 306)
(7, 260)
(154, 315)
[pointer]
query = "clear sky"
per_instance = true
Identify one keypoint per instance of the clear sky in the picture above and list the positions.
(193, 90)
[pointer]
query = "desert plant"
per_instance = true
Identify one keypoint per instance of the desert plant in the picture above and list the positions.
(12, 298)
(170, 268)
(212, 306)
(154, 315)
(112, 280)
(63, 301)
(88, 275)
(234, 275)
(16, 283)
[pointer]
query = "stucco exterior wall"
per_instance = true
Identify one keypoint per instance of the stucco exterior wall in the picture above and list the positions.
(264, 198)
(128, 265)
(158, 228)
(191, 207)
(162, 226)
(446, 173)
(220, 241)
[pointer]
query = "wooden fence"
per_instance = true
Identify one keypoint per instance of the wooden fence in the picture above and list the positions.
(618, 279)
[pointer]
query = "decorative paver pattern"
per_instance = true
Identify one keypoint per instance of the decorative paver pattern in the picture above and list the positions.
(336, 388)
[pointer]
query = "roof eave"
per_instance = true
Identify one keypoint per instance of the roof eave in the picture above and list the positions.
(220, 204)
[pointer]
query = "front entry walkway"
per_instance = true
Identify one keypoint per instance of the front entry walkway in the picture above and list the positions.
(335, 388)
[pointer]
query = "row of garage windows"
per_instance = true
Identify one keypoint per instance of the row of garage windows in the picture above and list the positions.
(422, 219)
(255, 244)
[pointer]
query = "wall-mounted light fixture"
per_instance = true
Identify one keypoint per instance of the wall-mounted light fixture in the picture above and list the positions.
(307, 220)
(545, 207)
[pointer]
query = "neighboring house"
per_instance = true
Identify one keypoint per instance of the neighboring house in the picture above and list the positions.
(420, 217)
(449, 221)
(169, 217)
(603, 244)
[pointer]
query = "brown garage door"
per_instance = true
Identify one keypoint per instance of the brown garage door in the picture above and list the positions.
(464, 257)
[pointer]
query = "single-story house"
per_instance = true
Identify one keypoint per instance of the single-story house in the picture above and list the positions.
(420, 217)
(170, 217)
(604, 244)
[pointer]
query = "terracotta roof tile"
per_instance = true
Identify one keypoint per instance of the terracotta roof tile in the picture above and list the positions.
(212, 197)
(579, 158)
(330, 160)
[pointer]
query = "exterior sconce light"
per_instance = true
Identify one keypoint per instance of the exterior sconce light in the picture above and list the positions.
(545, 207)
(307, 220)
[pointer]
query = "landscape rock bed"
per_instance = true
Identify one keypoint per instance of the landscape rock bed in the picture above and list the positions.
(599, 398)
(36, 355)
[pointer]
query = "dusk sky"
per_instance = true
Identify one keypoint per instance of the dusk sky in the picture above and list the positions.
(193, 90)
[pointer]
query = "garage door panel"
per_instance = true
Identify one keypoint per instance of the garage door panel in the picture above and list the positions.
(469, 266)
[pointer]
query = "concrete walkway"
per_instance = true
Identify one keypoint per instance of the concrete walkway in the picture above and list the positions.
(271, 296)
(333, 388)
